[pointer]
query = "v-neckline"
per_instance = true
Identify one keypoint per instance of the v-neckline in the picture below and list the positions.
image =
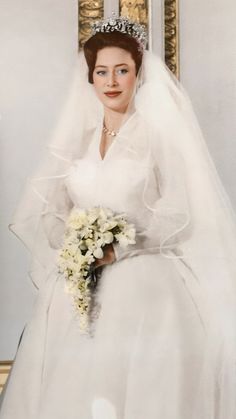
(117, 138)
(98, 143)
(107, 151)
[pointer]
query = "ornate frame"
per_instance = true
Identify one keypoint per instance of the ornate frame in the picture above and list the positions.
(93, 10)
(172, 35)
(5, 367)
(87, 11)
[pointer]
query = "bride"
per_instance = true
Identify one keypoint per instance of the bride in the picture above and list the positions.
(164, 335)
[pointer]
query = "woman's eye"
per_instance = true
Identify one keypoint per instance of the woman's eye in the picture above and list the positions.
(122, 71)
(101, 72)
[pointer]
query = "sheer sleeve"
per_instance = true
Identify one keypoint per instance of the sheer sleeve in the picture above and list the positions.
(55, 216)
(39, 221)
(166, 219)
(149, 242)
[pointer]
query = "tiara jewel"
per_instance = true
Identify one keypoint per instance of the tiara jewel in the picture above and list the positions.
(121, 24)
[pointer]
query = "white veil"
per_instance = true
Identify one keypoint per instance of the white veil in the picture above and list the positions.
(193, 218)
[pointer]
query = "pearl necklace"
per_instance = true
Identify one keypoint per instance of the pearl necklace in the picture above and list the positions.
(110, 133)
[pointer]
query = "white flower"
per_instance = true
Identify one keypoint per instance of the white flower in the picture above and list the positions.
(86, 232)
(83, 244)
(93, 215)
(107, 225)
(108, 237)
(73, 249)
(98, 253)
(77, 219)
(127, 237)
(89, 257)
(89, 243)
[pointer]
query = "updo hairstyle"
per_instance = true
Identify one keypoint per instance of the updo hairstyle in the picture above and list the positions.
(111, 39)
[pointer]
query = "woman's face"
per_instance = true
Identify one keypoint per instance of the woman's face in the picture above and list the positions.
(114, 78)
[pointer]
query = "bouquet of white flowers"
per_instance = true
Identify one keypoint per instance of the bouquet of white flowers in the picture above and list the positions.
(87, 233)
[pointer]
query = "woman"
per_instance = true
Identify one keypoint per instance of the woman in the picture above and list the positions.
(163, 342)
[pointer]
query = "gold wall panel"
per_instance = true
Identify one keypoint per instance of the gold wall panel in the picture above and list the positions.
(89, 11)
(136, 10)
(5, 367)
(172, 35)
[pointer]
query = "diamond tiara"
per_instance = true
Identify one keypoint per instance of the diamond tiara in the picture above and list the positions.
(121, 24)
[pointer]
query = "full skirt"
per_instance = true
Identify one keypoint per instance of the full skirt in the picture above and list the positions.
(145, 359)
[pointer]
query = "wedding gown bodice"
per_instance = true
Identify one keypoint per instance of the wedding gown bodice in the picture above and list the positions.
(116, 181)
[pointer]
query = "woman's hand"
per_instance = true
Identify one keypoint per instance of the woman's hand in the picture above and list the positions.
(109, 256)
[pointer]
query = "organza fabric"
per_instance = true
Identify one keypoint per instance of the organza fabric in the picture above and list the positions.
(166, 333)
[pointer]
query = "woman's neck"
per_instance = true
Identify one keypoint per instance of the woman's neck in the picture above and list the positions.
(114, 120)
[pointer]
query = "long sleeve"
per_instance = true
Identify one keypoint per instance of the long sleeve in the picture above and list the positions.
(166, 224)
(54, 218)
(144, 245)
(147, 242)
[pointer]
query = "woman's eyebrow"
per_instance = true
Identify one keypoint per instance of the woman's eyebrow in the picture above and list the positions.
(105, 66)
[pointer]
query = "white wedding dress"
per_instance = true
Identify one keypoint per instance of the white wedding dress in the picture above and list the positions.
(145, 358)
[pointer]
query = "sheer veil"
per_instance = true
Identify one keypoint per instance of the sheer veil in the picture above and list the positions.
(191, 215)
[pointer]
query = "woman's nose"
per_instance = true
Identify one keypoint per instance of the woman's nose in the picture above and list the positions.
(111, 81)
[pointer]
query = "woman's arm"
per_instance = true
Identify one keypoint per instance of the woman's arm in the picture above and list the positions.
(167, 219)
(55, 216)
(150, 242)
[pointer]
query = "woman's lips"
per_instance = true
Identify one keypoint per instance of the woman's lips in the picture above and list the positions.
(112, 94)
